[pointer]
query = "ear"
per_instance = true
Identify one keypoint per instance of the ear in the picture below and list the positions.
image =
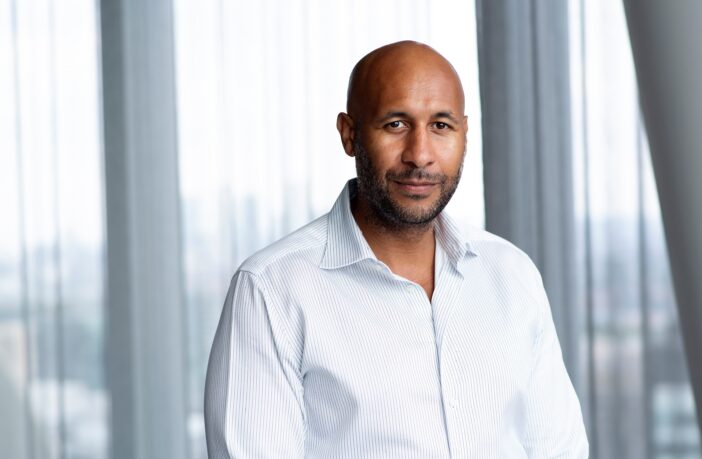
(345, 126)
(465, 128)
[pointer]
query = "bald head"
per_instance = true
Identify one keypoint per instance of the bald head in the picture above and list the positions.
(396, 64)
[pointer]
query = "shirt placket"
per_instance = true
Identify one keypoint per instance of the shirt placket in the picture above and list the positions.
(444, 301)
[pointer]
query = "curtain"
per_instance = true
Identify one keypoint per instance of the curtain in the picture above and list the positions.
(640, 400)
(606, 269)
(52, 390)
(664, 41)
(257, 89)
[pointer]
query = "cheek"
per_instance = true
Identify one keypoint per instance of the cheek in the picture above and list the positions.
(384, 156)
(367, 164)
(451, 154)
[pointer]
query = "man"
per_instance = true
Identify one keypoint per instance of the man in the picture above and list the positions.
(378, 330)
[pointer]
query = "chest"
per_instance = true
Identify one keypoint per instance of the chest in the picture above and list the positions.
(381, 346)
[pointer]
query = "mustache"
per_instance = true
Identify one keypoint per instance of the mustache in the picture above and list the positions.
(415, 174)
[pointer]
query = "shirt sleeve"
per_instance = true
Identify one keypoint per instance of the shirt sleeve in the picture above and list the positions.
(253, 392)
(554, 424)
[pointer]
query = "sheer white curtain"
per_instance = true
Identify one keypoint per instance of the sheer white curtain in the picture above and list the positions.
(560, 101)
(639, 398)
(259, 85)
(638, 394)
(259, 88)
(53, 401)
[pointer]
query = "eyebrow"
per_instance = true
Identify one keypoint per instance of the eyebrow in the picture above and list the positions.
(448, 115)
(398, 114)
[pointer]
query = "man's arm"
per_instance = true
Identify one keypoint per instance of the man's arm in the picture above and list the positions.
(253, 392)
(554, 425)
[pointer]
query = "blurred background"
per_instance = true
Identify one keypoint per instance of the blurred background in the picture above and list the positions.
(148, 148)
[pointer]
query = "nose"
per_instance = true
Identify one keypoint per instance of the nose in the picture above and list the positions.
(418, 150)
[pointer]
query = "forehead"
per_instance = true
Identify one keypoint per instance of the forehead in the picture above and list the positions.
(415, 90)
(412, 85)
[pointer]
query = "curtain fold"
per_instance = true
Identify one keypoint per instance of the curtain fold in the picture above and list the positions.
(146, 339)
(525, 94)
(665, 38)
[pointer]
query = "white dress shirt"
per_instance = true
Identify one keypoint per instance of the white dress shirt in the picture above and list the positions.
(323, 352)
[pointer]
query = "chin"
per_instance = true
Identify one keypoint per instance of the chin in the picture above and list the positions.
(417, 214)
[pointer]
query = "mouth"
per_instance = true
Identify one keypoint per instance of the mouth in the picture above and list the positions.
(415, 187)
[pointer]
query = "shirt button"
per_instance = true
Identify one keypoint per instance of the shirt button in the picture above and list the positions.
(452, 402)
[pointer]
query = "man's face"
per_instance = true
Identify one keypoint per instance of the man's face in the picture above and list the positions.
(410, 146)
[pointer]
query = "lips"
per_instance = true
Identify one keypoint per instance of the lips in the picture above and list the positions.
(415, 187)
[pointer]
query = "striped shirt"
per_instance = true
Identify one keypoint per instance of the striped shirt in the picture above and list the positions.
(322, 352)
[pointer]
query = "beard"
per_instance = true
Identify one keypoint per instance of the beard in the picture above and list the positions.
(385, 209)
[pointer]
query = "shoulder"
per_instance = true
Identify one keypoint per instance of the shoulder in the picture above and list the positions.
(502, 255)
(496, 247)
(305, 245)
(511, 270)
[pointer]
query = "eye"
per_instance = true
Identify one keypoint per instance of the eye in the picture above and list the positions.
(394, 125)
(440, 125)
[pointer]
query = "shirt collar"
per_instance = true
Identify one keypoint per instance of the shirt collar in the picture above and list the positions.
(451, 239)
(346, 244)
